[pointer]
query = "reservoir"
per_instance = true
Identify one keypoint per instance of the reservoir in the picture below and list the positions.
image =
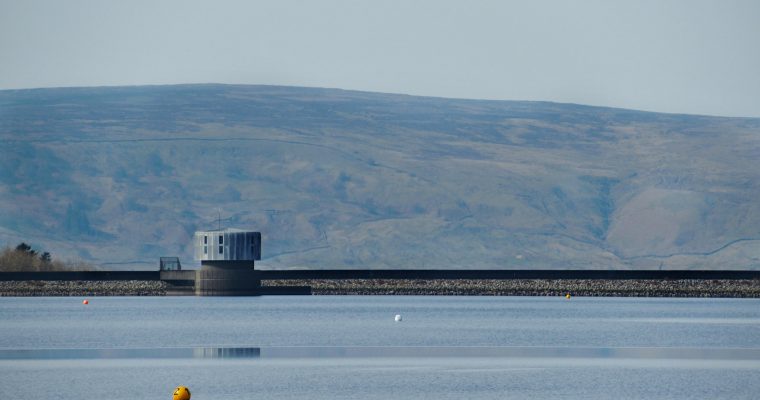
(350, 347)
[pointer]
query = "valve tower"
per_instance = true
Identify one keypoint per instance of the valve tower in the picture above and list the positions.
(227, 262)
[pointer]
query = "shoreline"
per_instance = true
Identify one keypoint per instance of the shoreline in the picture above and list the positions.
(723, 288)
(533, 287)
(82, 288)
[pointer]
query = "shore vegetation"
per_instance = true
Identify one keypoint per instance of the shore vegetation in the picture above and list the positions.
(23, 258)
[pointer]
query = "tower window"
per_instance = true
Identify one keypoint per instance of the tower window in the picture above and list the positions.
(205, 249)
(221, 249)
(221, 239)
(205, 239)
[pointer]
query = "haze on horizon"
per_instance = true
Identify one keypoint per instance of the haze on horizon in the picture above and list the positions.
(696, 57)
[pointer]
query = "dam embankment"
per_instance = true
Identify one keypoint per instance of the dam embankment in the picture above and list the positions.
(83, 288)
(532, 287)
(630, 283)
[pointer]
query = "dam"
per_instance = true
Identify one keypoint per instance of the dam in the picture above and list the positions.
(627, 283)
(227, 268)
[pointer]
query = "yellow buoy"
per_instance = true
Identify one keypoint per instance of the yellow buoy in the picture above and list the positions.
(181, 393)
(567, 296)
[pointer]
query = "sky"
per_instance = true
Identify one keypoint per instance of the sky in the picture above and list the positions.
(684, 56)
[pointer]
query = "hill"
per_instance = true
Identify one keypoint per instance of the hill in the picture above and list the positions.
(119, 176)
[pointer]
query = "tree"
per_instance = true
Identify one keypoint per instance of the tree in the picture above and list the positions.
(25, 248)
(24, 258)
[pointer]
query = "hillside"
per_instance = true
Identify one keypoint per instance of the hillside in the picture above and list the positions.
(119, 176)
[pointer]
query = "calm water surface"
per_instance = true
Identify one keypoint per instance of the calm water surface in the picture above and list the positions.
(350, 347)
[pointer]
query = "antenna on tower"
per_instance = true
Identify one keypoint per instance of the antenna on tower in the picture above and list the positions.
(219, 218)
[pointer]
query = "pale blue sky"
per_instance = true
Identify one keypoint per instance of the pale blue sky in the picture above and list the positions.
(700, 57)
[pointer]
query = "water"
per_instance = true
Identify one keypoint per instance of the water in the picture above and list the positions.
(350, 347)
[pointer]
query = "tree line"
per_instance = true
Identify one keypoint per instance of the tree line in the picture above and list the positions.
(24, 258)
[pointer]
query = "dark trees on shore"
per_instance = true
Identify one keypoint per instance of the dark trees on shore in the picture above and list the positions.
(24, 258)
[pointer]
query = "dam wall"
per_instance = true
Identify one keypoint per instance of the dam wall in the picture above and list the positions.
(295, 274)
(240, 279)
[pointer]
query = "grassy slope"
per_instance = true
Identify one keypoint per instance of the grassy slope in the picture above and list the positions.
(350, 179)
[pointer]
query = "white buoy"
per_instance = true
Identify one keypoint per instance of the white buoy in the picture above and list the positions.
(398, 318)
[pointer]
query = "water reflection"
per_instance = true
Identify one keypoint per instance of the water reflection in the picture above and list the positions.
(161, 353)
(226, 352)
(388, 352)
(513, 352)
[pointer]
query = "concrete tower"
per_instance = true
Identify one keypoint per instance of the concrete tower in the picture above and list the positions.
(227, 262)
